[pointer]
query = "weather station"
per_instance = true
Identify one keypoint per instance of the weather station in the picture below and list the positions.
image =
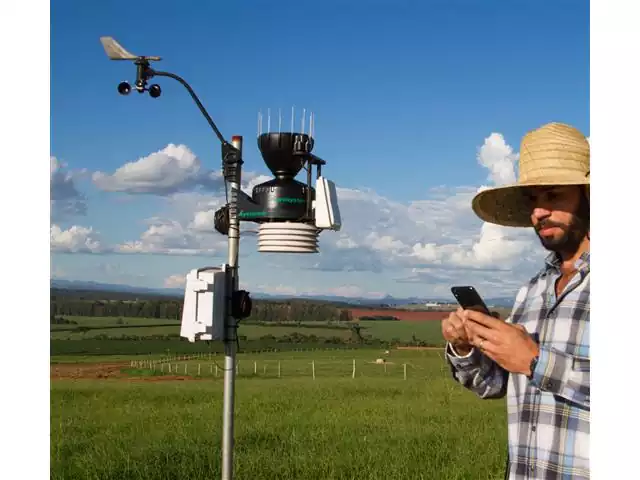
(290, 215)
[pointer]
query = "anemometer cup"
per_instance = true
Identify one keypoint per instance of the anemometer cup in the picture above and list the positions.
(124, 88)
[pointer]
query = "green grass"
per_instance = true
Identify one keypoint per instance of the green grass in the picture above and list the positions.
(102, 336)
(102, 348)
(383, 330)
(141, 372)
(257, 331)
(306, 364)
(61, 359)
(109, 326)
(427, 331)
(96, 322)
(333, 427)
(115, 332)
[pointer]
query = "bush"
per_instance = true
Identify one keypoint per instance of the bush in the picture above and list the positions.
(62, 321)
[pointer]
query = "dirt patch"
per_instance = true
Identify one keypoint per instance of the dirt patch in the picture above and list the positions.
(87, 370)
(97, 371)
(407, 315)
(414, 315)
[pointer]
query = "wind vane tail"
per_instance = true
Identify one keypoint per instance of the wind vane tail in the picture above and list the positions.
(115, 51)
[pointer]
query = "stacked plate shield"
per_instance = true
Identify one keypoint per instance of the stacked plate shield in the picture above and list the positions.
(288, 237)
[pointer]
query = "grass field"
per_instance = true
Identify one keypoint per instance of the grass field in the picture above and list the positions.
(428, 331)
(310, 363)
(91, 327)
(97, 322)
(374, 426)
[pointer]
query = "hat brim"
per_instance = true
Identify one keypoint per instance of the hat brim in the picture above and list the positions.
(509, 205)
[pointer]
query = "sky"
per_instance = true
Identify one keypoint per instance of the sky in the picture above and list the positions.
(417, 105)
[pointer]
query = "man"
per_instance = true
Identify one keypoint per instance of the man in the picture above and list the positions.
(539, 356)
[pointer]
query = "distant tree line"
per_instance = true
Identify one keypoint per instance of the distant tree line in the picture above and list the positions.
(297, 311)
(167, 309)
(264, 311)
(378, 317)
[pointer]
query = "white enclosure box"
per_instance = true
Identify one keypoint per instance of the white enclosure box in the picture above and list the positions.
(327, 212)
(203, 313)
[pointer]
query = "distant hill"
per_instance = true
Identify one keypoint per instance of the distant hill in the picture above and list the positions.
(81, 286)
(124, 292)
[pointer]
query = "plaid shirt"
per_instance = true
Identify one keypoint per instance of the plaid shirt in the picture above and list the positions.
(549, 415)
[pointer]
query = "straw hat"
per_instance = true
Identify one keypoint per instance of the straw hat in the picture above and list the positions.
(554, 154)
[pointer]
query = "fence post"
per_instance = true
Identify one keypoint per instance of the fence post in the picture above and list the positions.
(278, 368)
(198, 369)
(255, 367)
(313, 368)
(353, 374)
(405, 371)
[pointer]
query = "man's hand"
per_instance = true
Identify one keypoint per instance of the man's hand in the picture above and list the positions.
(454, 332)
(510, 346)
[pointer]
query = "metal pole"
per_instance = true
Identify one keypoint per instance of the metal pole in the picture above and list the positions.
(230, 327)
(232, 174)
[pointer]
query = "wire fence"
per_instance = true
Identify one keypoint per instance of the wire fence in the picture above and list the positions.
(207, 365)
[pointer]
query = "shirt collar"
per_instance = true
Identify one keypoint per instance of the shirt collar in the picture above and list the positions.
(553, 261)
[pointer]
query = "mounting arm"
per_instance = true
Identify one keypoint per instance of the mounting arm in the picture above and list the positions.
(145, 73)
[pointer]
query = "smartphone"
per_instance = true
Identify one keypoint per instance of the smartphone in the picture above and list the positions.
(469, 299)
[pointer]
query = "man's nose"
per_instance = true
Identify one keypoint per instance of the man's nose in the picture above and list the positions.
(540, 213)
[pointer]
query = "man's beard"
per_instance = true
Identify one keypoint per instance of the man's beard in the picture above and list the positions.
(573, 234)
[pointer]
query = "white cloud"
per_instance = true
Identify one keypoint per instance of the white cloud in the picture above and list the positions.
(174, 281)
(186, 227)
(66, 200)
(203, 221)
(174, 168)
(499, 159)
(439, 232)
(497, 247)
(170, 237)
(435, 241)
(76, 239)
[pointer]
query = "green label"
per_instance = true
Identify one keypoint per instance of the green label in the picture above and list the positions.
(252, 214)
(290, 200)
